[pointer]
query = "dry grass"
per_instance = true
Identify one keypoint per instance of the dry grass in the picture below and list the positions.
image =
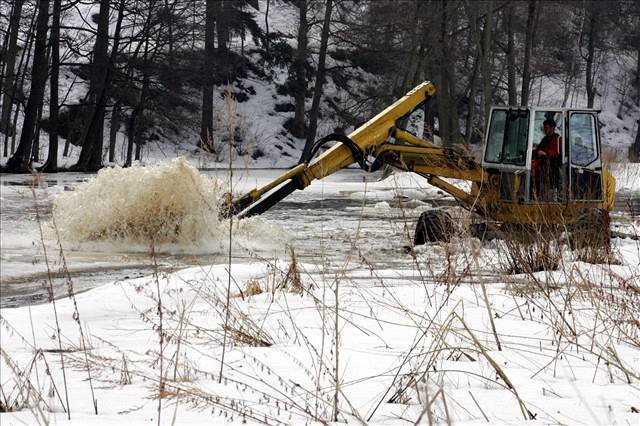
(252, 288)
(588, 316)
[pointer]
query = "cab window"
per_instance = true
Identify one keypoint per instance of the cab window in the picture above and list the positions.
(584, 149)
(496, 135)
(507, 141)
(538, 128)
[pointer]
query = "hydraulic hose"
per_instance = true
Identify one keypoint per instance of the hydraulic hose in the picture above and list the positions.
(358, 153)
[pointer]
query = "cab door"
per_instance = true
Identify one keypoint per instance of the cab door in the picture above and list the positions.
(585, 177)
(505, 152)
(558, 183)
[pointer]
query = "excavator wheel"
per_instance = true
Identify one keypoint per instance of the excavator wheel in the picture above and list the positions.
(433, 225)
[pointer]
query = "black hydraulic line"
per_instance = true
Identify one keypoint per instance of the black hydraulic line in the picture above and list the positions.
(357, 152)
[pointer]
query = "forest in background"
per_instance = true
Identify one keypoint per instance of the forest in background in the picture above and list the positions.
(82, 72)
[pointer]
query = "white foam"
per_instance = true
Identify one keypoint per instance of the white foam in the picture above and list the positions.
(170, 206)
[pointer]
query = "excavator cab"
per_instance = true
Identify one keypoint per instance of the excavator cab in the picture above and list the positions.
(575, 174)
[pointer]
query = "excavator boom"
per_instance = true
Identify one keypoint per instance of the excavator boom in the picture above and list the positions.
(370, 139)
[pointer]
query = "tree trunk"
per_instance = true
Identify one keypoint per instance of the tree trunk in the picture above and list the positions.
(20, 161)
(138, 113)
(528, 48)
(415, 46)
(91, 153)
(266, 29)
(9, 74)
(20, 75)
(13, 134)
(484, 56)
(92, 137)
(67, 145)
(637, 82)
(206, 123)
(317, 91)
(299, 127)
(591, 57)
(113, 131)
(140, 108)
(138, 142)
(472, 101)
(131, 130)
(35, 149)
(170, 41)
(429, 120)
(634, 149)
(511, 59)
(487, 89)
(445, 77)
(52, 156)
(222, 28)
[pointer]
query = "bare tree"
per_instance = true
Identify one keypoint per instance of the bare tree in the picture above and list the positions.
(528, 49)
(51, 164)
(134, 123)
(91, 153)
(223, 10)
(21, 159)
(445, 71)
(21, 74)
(317, 91)
(113, 131)
(511, 57)
(484, 50)
(300, 64)
(634, 149)
(592, 32)
(206, 126)
(9, 69)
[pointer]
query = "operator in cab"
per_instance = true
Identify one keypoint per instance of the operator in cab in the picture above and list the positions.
(545, 166)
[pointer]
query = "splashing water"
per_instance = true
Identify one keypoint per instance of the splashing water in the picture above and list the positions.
(170, 206)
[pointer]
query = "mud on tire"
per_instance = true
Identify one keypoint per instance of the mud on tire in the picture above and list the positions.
(432, 226)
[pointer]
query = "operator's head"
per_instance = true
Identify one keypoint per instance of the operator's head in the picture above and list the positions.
(549, 126)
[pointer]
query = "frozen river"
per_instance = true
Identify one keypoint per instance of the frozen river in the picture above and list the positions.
(348, 215)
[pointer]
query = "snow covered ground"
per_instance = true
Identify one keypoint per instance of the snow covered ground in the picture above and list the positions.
(444, 334)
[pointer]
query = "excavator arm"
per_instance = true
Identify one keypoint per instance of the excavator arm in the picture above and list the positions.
(372, 139)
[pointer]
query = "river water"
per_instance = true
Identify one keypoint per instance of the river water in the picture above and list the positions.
(347, 215)
(321, 223)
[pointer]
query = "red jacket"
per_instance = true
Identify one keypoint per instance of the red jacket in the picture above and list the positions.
(550, 145)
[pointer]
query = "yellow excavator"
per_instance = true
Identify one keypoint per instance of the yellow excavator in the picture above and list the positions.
(501, 189)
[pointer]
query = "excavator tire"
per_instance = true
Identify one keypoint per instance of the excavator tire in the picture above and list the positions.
(433, 226)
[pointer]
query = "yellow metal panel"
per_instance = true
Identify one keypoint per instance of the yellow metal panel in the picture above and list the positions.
(431, 161)
(412, 139)
(609, 189)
